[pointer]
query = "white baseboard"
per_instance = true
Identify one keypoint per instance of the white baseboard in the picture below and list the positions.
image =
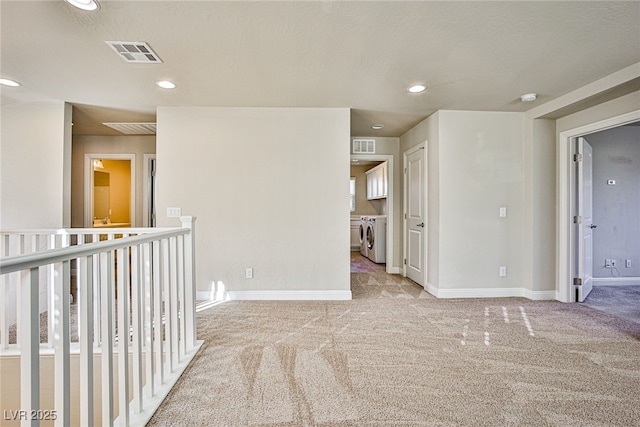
(294, 295)
(616, 281)
(394, 270)
(491, 293)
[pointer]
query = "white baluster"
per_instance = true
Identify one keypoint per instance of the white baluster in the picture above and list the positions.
(123, 335)
(62, 339)
(4, 299)
(29, 332)
(85, 311)
(136, 316)
(181, 297)
(166, 281)
(148, 318)
(173, 293)
(157, 311)
(106, 289)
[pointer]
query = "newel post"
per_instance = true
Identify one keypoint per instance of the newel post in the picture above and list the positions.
(190, 279)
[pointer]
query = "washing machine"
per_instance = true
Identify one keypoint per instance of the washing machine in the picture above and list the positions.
(377, 239)
(363, 235)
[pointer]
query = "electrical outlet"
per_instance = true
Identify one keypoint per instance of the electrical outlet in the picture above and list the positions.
(627, 263)
(248, 273)
(503, 271)
(173, 212)
(609, 263)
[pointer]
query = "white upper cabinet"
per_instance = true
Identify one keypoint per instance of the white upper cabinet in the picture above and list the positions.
(377, 182)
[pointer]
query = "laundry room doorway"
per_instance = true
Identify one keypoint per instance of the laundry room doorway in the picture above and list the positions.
(375, 197)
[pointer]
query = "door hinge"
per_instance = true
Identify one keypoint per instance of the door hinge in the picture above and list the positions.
(577, 157)
(405, 216)
(577, 219)
(405, 171)
(577, 281)
(405, 261)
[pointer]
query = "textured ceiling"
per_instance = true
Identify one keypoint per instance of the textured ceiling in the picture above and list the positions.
(361, 55)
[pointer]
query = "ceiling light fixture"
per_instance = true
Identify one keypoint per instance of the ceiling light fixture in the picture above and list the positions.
(528, 97)
(9, 82)
(166, 84)
(377, 127)
(417, 88)
(97, 164)
(89, 5)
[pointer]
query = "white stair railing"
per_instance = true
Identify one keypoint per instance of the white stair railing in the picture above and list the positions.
(135, 310)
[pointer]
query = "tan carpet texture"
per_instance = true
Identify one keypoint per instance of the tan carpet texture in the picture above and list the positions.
(395, 356)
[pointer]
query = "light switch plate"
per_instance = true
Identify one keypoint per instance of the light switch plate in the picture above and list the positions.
(503, 212)
(173, 212)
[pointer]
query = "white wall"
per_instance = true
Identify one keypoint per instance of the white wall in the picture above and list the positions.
(270, 189)
(480, 171)
(475, 167)
(35, 159)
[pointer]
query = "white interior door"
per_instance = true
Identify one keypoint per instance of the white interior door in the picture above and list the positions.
(586, 226)
(415, 184)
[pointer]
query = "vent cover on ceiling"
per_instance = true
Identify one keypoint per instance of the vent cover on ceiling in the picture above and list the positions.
(134, 128)
(135, 52)
(364, 146)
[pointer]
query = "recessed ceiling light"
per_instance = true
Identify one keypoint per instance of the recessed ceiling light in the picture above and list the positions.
(417, 88)
(377, 127)
(90, 5)
(8, 82)
(166, 84)
(528, 97)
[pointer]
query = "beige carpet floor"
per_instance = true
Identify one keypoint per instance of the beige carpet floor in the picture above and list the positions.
(395, 356)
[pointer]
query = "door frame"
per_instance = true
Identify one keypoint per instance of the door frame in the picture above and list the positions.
(88, 185)
(566, 198)
(405, 208)
(146, 185)
(390, 268)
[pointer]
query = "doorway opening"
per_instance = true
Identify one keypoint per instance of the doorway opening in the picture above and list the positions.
(109, 190)
(573, 254)
(378, 196)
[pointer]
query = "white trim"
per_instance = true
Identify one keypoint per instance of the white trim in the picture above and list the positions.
(494, 293)
(290, 295)
(394, 270)
(146, 188)
(405, 229)
(616, 281)
(88, 185)
(565, 240)
(390, 201)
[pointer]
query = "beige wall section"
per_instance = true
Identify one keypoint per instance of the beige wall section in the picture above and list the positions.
(480, 171)
(474, 168)
(543, 207)
(270, 189)
(34, 155)
(87, 144)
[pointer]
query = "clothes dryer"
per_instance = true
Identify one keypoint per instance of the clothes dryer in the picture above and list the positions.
(377, 239)
(363, 235)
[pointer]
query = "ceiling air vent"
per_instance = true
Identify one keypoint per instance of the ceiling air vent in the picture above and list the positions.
(364, 146)
(139, 52)
(134, 128)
